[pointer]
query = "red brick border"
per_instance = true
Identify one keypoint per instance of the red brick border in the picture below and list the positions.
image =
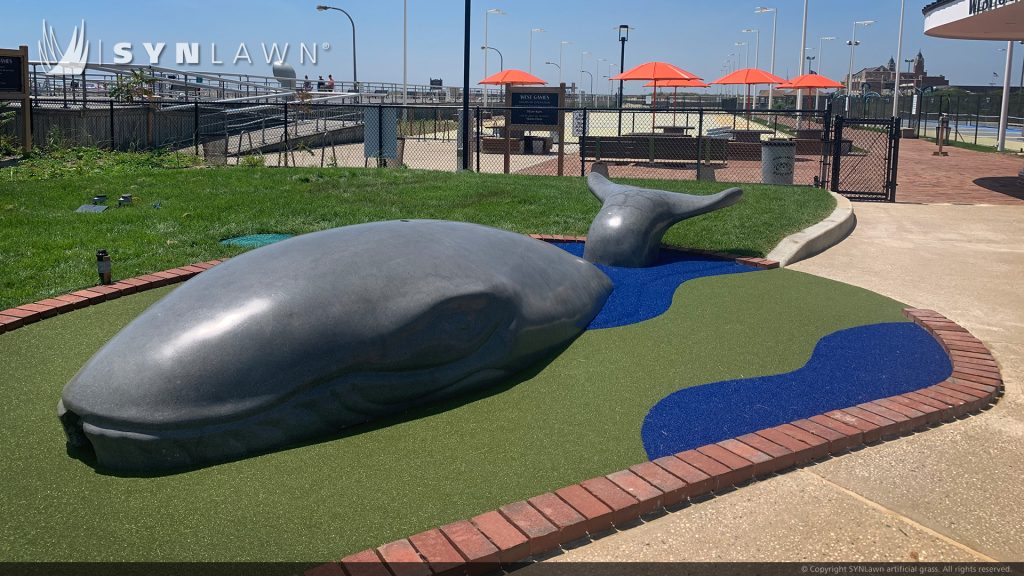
(14, 318)
(544, 523)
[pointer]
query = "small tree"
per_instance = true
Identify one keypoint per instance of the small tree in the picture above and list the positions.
(137, 86)
(8, 144)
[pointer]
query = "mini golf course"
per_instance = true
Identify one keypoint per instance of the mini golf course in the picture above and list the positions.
(726, 330)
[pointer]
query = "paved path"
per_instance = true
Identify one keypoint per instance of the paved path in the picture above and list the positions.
(963, 177)
(950, 493)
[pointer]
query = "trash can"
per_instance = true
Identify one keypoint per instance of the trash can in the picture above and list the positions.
(536, 146)
(777, 158)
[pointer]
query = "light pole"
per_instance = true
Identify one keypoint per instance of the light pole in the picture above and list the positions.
(405, 57)
(757, 46)
(803, 48)
(582, 54)
(853, 43)
(597, 68)
(501, 59)
(561, 49)
(465, 85)
(775, 16)
(745, 61)
(556, 66)
(821, 65)
(355, 76)
(623, 38)
(497, 12)
(532, 30)
(591, 80)
(899, 55)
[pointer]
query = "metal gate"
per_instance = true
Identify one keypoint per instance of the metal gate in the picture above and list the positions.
(862, 159)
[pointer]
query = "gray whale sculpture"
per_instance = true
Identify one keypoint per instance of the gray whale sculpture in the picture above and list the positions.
(628, 230)
(310, 335)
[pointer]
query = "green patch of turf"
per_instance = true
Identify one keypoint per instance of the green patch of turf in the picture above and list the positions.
(46, 249)
(575, 418)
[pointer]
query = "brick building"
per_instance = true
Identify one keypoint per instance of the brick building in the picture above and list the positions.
(881, 78)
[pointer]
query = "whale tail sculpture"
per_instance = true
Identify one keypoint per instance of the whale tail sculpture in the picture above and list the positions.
(628, 230)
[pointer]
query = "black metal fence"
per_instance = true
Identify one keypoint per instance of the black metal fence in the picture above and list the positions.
(685, 143)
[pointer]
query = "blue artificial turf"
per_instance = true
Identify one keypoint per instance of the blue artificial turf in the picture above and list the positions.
(847, 367)
(643, 293)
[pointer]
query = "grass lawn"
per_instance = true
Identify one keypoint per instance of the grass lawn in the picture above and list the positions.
(575, 418)
(46, 249)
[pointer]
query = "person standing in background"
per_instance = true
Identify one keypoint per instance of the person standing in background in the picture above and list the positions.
(330, 83)
(320, 84)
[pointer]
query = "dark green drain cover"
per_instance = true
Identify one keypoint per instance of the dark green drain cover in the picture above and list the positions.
(255, 240)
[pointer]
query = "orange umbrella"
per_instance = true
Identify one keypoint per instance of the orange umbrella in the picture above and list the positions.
(658, 72)
(812, 81)
(512, 76)
(750, 76)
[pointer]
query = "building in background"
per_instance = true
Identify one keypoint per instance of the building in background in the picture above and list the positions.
(880, 79)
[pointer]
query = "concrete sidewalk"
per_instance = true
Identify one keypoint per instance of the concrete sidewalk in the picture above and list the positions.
(950, 493)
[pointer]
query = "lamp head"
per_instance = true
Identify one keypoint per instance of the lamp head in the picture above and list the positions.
(624, 32)
(763, 10)
(864, 22)
(749, 30)
(321, 8)
(497, 11)
(537, 30)
(828, 38)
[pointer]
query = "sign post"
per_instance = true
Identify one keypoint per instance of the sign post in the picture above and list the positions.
(536, 109)
(14, 85)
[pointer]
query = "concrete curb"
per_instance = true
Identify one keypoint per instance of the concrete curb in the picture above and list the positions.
(513, 533)
(817, 238)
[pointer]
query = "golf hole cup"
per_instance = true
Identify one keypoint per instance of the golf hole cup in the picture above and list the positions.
(103, 266)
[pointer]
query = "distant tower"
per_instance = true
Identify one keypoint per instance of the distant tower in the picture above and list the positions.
(919, 64)
(891, 65)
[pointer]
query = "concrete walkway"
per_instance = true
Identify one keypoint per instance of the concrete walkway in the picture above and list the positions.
(950, 493)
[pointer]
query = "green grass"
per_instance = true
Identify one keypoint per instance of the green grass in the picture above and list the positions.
(577, 417)
(46, 249)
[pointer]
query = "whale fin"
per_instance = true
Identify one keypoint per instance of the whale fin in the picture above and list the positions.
(681, 205)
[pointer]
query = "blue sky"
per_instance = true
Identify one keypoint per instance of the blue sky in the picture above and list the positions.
(696, 35)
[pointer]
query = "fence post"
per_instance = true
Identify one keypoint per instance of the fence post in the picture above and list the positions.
(700, 137)
(894, 158)
(476, 137)
(837, 153)
(287, 146)
(380, 135)
(113, 138)
(977, 118)
(195, 126)
(583, 146)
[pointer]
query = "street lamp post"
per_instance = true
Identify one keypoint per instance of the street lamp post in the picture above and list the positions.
(899, 55)
(821, 65)
(623, 38)
(561, 49)
(597, 69)
(582, 54)
(497, 12)
(465, 86)
(532, 30)
(501, 59)
(355, 76)
(757, 46)
(775, 15)
(853, 43)
(745, 61)
(803, 48)
(591, 79)
(556, 66)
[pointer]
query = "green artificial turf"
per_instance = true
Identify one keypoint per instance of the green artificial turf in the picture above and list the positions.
(577, 417)
(46, 249)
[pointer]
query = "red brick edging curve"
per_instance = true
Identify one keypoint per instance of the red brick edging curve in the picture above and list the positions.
(541, 524)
